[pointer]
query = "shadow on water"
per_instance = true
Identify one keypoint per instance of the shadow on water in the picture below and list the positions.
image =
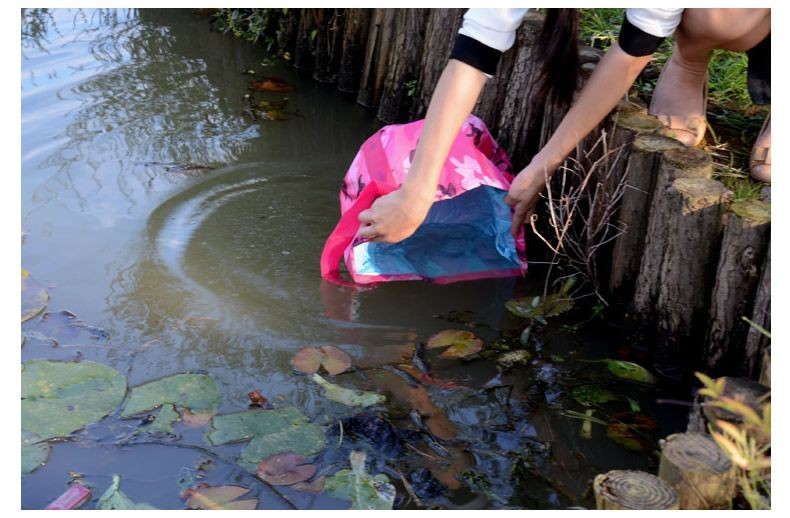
(155, 209)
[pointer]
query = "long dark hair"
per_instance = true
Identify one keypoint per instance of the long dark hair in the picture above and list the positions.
(558, 52)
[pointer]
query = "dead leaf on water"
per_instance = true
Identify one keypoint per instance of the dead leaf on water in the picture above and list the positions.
(460, 344)
(272, 84)
(285, 469)
(310, 359)
(218, 498)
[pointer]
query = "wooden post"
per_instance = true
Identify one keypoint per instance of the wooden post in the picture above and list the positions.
(328, 42)
(355, 36)
(742, 250)
(698, 470)
(675, 163)
(693, 221)
(286, 38)
(305, 42)
(636, 490)
(376, 56)
(757, 350)
(402, 64)
(641, 174)
(441, 30)
(744, 390)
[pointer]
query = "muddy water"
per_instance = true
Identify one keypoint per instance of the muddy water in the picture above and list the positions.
(215, 268)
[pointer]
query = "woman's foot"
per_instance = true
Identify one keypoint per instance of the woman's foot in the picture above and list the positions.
(680, 98)
(760, 164)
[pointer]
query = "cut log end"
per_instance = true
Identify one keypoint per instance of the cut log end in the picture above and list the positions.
(703, 191)
(755, 211)
(637, 490)
(744, 390)
(688, 159)
(637, 121)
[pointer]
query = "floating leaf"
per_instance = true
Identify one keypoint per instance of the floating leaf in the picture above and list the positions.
(114, 498)
(346, 396)
(61, 397)
(270, 432)
(34, 452)
(592, 394)
(67, 329)
(218, 498)
(540, 307)
(314, 487)
(285, 469)
(310, 359)
(460, 344)
(272, 84)
(164, 420)
(364, 491)
(630, 371)
(197, 392)
(631, 431)
(34, 297)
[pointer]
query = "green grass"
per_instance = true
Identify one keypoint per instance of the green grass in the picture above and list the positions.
(733, 120)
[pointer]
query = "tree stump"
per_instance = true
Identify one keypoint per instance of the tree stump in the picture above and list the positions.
(441, 29)
(674, 163)
(636, 490)
(352, 57)
(698, 470)
(641, 172)
(377, 53)
(744, 390)
(743, 247)
(403, 65)
(757, 361)
(693, 219)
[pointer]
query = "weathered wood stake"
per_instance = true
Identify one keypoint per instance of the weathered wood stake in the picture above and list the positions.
(745, 390)
(675, 163)
(757, 350)
(636, 490)
(355, 36)
(693, 219)
(742, 250)
(641, 173)
(698, 470)
(376, 56)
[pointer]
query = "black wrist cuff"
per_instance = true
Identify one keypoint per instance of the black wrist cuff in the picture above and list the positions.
(636, 42)
(476, 54)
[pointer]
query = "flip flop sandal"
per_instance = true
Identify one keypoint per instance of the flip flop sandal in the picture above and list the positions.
(690, 130)
(760, 163)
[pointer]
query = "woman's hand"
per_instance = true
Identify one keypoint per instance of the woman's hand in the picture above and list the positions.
(524, 192)
(395, 216)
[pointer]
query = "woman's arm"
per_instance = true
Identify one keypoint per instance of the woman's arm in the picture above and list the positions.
(611, 79)
(396, 216)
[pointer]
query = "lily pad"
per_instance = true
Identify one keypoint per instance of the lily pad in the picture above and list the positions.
(592, 394)
(61, 397)
(217, 498)
(270, 432)
(363, 490)
(460, 344)
(310, 359)
(164, 420)
(285, 469)
(114, 498)
(35, 452)
(630, 371)
(540, 307)
(346, 396)
(197, 392)
(34, 297)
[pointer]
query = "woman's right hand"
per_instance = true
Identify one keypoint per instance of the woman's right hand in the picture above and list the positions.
(395, 216)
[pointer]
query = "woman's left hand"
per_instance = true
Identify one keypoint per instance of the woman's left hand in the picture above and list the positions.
(524, 192)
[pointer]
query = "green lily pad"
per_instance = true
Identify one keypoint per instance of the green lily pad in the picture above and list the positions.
(592, 394)
(61, 397)
(35, 452)
(630, 371)
(197, 392)
(34, 297)
(163, 423)
(346, 396)
(270, 432)
(114, 498)
(363, 490)
(540, 307)
(460, 344)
